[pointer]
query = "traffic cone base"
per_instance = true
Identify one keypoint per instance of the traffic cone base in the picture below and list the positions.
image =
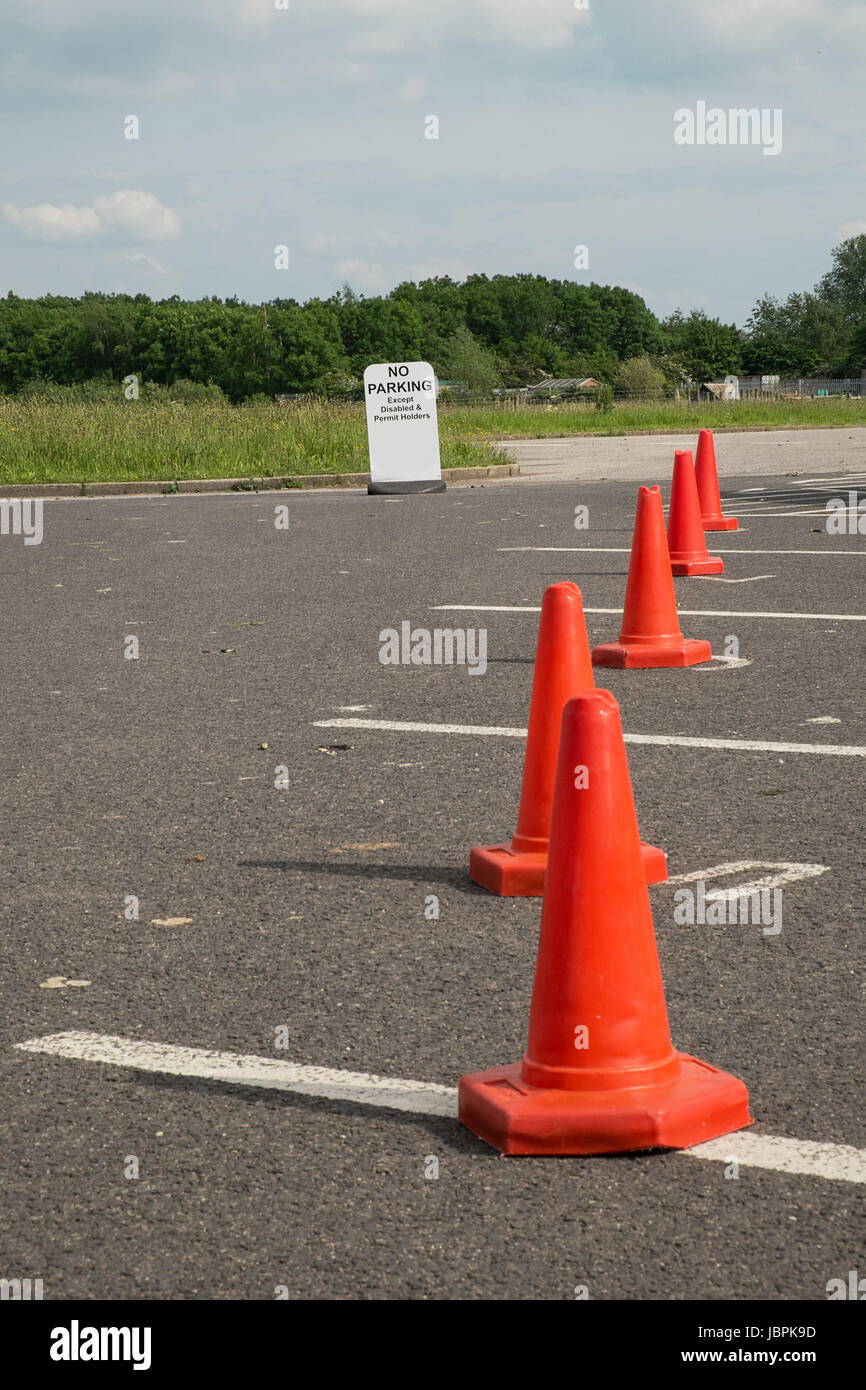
(563, 667)
(699, 1103)
(508, 872)
(686, 541)
(512, 873)
(655, 863)
(714, 564)
(707, 479)
(650, 634)
(627, 657)
(599, 1074)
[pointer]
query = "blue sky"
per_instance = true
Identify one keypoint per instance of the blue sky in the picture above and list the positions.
(305, 126)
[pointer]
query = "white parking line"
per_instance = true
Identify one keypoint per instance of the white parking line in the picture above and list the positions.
(564, 549)
(685, 612)
(626, 550)
(718, 579)
(235, 1069)
(728, 663)
(407, 726)
(823, 484)
(786, 872)
(734, 745)
(748, 745)
(835, 1162)
(745, 511)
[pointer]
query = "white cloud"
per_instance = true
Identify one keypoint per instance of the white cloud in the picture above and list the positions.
(663, 302)
(750, 23)
(368, 275)
(48, 222)
(849, 229)
(448, 266)
(394, 23)
(327, 244)
(139, 214)
(249, 16)
(138, 257)
(413, 89)
(166, 84)
(776, 40)
(527, 23)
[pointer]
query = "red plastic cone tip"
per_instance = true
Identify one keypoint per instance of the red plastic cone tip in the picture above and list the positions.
(563, 667)
(650, 633)
(686, 542)
(600, 1074)
(708, 487)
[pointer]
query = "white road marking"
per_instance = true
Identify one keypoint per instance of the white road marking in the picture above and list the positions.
(684, 612)
(785, 873)
(235, 1069)
(565, 549)
(782, 512)
(727, 663)
(825, 484)
(626, 550)
(748, 745)
(718, 579)
(735, 745)
(835, 1162)
(502, 608)
(408, 726)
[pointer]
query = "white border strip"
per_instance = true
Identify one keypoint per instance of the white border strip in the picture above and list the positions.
(734, 745)
(235, 1069)
(836, 1162)
(626, 550)
(683, 612)
(787, 872)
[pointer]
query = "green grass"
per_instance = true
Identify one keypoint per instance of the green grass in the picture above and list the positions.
(540, 421)
(45, 441)
(60, 442)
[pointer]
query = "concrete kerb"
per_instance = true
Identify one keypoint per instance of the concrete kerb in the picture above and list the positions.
(167, 487)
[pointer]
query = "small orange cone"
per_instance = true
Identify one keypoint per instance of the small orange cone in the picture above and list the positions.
(688, 547)
(563, 667)
(650, 633)
(600, 1074)
(708, 487)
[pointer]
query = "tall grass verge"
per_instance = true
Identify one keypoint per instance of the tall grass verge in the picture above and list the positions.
(45, 440)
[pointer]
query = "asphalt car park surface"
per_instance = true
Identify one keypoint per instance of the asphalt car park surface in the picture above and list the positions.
(302, 908)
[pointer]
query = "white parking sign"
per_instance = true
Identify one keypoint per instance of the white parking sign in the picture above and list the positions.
(402, 428)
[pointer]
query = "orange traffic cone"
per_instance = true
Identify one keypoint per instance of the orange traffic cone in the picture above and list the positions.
(563, 667)
(688, 547)
(600, 1074)
(650, 633)
(708, 487)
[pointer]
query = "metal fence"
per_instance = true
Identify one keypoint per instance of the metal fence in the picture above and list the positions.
(752, 388)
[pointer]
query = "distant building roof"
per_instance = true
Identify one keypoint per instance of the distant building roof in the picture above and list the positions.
(571, 383)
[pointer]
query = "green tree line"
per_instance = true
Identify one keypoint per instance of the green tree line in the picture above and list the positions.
(502, 330)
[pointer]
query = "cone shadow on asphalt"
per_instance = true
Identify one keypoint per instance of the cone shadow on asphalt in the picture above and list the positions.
(448, 1131)
(410, 873)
